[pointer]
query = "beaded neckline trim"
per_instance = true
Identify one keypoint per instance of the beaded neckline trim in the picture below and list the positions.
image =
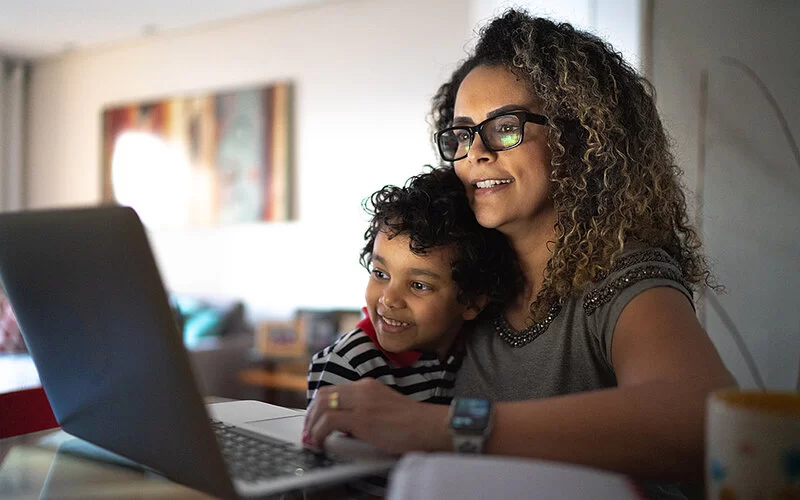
(523, 337)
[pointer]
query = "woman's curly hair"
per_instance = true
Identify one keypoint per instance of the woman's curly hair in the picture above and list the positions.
(432, 209)
(614, 177)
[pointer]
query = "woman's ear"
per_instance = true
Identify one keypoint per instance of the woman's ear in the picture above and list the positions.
(475, 307)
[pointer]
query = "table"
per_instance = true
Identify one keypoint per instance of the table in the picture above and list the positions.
(32, 467)
(282, 380)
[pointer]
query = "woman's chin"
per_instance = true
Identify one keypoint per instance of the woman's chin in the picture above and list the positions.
(482, 215)
(488, 219)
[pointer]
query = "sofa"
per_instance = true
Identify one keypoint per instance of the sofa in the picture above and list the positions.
(218, 337)
(216, 363)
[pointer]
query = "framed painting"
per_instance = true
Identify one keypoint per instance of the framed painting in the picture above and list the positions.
(204, 160)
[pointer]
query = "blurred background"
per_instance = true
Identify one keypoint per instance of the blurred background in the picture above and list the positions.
(361, 74)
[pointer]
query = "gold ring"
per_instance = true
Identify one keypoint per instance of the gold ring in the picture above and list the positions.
(333, 401)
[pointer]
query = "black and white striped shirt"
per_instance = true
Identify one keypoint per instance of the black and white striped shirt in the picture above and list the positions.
(355, 355)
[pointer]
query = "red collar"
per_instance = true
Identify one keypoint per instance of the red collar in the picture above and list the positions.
(401, 359)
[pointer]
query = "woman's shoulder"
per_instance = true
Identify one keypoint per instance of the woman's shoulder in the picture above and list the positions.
(638, 266)
(636, 270)
(635, 253)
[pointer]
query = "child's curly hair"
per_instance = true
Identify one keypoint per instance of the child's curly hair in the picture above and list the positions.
(432, 209)
(614, 177)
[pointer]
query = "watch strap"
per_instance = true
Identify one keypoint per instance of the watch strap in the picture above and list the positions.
(468, 443)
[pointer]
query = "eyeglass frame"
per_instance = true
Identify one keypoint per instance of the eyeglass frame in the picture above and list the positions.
(523, 116)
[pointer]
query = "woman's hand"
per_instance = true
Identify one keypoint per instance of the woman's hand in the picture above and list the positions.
(375, 413)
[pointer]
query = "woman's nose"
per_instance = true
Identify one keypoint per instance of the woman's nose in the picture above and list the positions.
(478, 150)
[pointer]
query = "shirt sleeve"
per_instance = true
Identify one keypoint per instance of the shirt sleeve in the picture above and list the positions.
(328, 367)
(632, 274)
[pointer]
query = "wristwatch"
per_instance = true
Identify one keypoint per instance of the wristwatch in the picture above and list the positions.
(470, 424)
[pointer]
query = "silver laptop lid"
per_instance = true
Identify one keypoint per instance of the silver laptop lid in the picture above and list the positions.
(94, 314)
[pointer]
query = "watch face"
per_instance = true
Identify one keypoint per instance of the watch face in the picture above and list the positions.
(470, 414)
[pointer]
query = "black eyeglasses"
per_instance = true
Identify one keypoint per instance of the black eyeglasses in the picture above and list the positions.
(498, 134)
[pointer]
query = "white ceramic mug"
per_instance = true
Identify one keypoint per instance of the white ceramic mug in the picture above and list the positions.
(753, 445)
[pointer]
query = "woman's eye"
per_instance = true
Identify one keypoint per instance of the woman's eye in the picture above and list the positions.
(420, 287)
(507, 128)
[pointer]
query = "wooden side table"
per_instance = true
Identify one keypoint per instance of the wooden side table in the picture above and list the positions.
(279, 377)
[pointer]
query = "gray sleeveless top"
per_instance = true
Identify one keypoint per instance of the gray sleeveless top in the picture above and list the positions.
(573, 353)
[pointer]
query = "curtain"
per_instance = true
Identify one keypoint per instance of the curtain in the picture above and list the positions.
(13, 90)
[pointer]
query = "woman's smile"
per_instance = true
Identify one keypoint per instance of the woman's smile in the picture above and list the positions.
(485, 187)
(490, 183)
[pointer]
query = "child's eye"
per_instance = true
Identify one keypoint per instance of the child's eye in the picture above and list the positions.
(379, 274)
(420, 287)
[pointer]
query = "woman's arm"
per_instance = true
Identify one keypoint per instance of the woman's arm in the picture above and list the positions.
(651, 426)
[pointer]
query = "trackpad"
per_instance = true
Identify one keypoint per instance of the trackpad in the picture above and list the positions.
(285, 429)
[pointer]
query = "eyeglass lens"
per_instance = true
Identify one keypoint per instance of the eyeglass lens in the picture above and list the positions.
(501, 132)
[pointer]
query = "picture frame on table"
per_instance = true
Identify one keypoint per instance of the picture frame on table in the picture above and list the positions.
(320, 328)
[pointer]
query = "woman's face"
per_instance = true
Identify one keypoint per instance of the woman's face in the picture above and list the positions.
(508, 190)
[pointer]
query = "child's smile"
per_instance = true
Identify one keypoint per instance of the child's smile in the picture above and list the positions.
(392, 325)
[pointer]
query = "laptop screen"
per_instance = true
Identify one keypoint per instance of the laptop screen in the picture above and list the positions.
(94, 314)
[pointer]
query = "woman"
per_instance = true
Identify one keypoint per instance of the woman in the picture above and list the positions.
(601, 360)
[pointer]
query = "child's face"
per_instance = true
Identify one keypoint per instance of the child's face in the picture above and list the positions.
(412, 298)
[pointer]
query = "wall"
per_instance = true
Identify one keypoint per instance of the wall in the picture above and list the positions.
(617, 21)
(740, 164)
(13, 77)
(364, 72)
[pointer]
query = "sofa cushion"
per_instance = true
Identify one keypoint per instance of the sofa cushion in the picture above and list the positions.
(199, 319)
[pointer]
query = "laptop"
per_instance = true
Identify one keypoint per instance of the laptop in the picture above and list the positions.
(95, 316)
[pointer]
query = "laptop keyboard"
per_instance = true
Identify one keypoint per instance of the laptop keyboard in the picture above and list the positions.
(252, 457)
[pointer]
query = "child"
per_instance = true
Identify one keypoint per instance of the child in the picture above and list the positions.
(432, 268)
